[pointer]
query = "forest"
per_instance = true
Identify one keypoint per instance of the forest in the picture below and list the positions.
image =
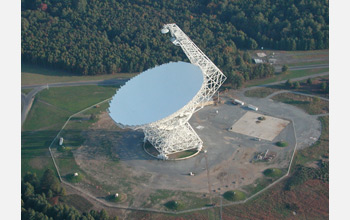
(92, 37)
(40, 200)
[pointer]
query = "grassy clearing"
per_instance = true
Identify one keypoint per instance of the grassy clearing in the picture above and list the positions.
(174, 205)
(35, 156)
(234, 195)
(73, 178)
(185, 200)
(314, 89)
(34, 75)
(183, 154)
(258, 185)
(49, 112)
(26, 91)
(273, 172)
(303, 63)
(311, 105)
(44, 116)
(78, 202)
(74, 99)
(318, 150)
(260, 92)
(290, 75)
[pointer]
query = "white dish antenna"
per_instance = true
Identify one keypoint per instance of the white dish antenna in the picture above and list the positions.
(160, 101)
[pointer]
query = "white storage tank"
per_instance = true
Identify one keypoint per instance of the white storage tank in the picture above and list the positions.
(236, 101)
(253, 107)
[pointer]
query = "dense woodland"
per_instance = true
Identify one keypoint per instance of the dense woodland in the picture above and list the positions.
(39, 200)
(99, 36)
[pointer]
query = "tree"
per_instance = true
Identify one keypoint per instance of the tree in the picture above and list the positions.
(49, 181)
(239, 60)
(296, 85)
(324, 87)
(309, 81)
(284, 68)
(288, 84)
(32, 179)
(28, 190)
(247, 57)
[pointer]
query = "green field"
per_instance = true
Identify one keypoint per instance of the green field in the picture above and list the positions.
(26, 91)
(234, 195)
(311, 105)
(284, 76)
(260, 92)
(34, 75)
(318, 150)
(273, 172)
(49, 112)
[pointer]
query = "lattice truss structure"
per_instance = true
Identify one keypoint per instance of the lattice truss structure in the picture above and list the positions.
(174, 134)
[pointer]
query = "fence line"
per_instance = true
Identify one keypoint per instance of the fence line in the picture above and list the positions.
(156, 210)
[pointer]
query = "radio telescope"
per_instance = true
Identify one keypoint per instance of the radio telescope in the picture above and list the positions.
(160, 101)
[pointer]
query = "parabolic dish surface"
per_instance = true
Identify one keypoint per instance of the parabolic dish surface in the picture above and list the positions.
(156, 93)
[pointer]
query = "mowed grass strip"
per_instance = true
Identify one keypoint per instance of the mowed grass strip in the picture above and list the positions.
(311, 105)
(35, 75)
(260, 92)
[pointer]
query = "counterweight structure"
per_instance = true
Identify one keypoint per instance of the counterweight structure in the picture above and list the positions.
(172, 133)
(175, 134)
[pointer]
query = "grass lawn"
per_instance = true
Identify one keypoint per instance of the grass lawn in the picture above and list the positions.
(318, 150)
(273, 172)
(314, 89)
(183, 154)
(44, 116)
(35, 155)
(49, 112)
(34, 75)
(284, 76)
(26, 91)
(78, 202)
(260, 92)
(308, 63)
(311, 105)
(234, 195)
(74, 99)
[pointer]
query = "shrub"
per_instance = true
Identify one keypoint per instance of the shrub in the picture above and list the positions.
(281, 144)
(172, 204)
(74, 179)
(272, 172)
(234, 195)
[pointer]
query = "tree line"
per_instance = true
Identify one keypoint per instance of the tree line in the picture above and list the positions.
(37, 196)
(92, 37)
